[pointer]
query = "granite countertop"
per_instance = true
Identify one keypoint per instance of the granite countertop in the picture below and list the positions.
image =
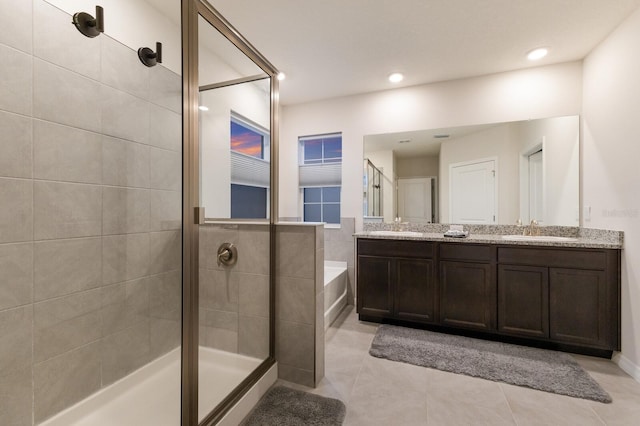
(493, 234)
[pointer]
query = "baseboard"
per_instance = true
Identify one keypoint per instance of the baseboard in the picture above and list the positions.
(627, 366)
(251, 398)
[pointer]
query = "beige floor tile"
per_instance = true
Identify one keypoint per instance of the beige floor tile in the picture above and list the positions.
(382, 392)
(443, 386)
(392, 377)
(377, 405)
(532, 407)
(336, 385)
(442, 411)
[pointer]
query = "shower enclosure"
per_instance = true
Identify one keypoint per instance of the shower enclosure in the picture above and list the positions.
(115, 307)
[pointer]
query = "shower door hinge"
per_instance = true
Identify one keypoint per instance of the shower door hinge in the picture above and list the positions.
(198, 216)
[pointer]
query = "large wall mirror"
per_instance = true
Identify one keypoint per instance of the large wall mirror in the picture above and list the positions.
(485, 174)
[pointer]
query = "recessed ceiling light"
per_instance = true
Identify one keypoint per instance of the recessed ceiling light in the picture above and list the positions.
(396, 77)
(536, 54)
(281, 76)
(203, 108)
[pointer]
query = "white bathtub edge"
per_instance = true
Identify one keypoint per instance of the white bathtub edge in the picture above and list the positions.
(335, 281)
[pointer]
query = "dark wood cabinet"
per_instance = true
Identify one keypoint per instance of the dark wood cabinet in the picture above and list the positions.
(396, 280)
(576, 309)
(566, 298)
(375, 299)
(467, 295)
(523, 294)
(467, 286)
(565, 295)
(414, 290)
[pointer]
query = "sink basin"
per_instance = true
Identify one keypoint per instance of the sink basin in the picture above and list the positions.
(397, 233)
(548, 238)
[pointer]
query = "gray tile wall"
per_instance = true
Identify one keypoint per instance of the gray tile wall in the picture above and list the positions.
(300, 303)
(90, 213)
(234, 300)
(339, 246)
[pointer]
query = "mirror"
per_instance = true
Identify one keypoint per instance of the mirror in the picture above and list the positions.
(235, 114)
(495, 173)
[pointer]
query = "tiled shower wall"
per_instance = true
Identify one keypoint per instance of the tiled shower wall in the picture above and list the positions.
(234, 300)
(90, 212)
(300, 302)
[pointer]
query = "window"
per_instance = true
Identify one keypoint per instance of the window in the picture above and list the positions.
(246, 140)
(248, 202)
(321, 149)
(250, 176)
(320, 175)
(322, 204)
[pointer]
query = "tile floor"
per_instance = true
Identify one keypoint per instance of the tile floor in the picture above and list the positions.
(382, 392)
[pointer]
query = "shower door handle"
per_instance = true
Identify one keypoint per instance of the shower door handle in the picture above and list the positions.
(227, 254)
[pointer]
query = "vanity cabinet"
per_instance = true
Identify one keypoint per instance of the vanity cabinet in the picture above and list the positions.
(564, 298)
(564, 295)
(396, 280)
(467, 286)
(523, 295)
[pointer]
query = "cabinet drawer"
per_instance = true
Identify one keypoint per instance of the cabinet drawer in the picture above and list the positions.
(564, 258)
(396, 248)
(465, 251)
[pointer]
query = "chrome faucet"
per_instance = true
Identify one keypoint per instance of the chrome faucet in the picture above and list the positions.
(397, 224)
(532, 230)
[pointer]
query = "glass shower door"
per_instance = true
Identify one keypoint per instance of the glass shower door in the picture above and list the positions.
(235, 239)
(90, 215)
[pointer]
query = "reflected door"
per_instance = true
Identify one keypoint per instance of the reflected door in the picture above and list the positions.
(472, 192)
(414, 200)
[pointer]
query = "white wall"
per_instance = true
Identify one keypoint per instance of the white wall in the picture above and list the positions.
(554, 90)
(611, 180)
(136, 24)
(422, 166)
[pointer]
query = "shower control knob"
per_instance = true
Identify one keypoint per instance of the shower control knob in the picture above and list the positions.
(227, 254)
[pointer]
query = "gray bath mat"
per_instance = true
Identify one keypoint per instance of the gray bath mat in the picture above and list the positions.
(282, 406)
(541, 369)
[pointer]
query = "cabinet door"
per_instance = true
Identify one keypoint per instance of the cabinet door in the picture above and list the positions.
(523, 300)
(415, 297)
(374, 286)
(577, 307)
(467, 295)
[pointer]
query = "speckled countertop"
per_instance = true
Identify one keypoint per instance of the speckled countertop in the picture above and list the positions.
(493, 234)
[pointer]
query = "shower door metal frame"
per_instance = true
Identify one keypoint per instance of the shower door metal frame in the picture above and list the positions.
(192, 217)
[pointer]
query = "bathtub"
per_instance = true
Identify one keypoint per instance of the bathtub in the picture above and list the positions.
(151, 394)
(335, 290)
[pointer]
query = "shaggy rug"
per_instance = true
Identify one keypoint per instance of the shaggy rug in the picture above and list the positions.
(534, 368)
(282, 406)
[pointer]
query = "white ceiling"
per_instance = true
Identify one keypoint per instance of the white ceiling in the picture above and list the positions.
(332, 48)
(419, 142)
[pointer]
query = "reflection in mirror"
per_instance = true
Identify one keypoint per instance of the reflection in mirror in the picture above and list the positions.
(486, 174)
(372, 192)
(234, 131)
